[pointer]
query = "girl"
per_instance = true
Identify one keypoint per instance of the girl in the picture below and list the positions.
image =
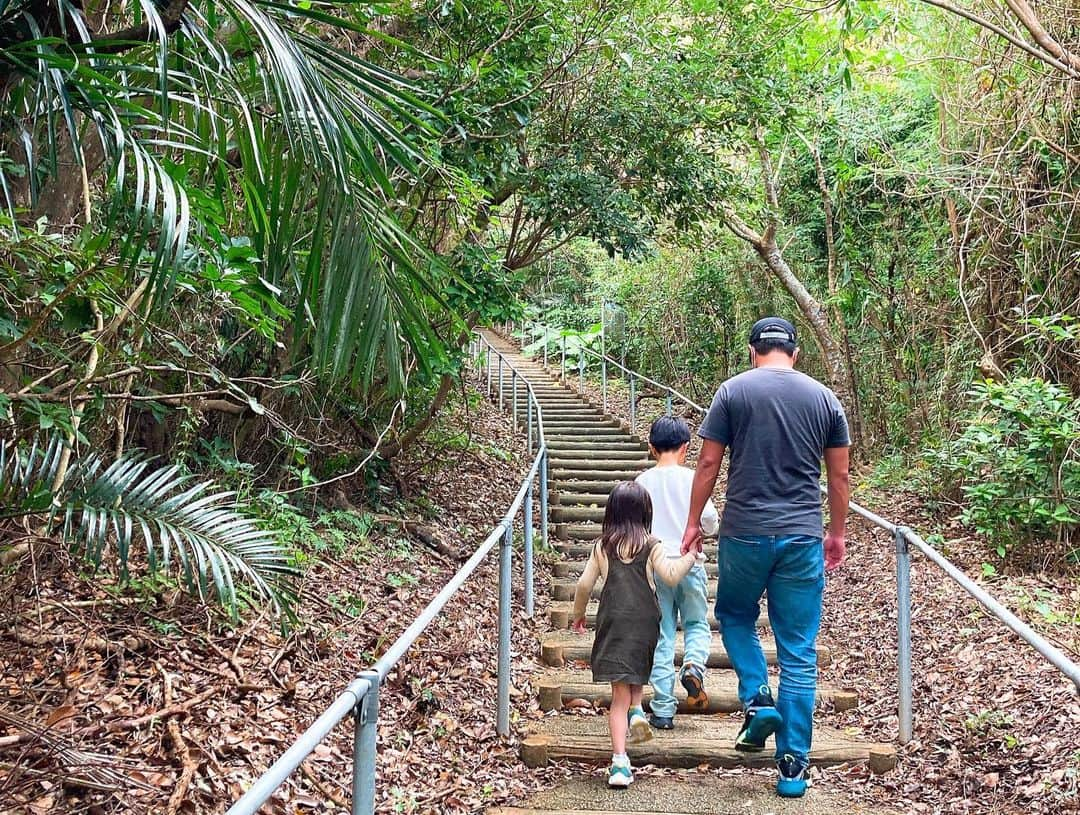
(628, 622)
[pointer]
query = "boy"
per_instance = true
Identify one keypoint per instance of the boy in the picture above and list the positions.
(668, 484)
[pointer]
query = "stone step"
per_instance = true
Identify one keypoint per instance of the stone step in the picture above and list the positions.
(559, 615)
(556, 687)
(574, 568)
(697, 740)
(563, 589)
(559, 647)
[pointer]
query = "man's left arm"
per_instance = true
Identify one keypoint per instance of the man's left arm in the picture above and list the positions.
(836, 468)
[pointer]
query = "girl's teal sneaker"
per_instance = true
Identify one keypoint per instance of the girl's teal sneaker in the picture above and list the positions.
(639, 726)
(619, 773)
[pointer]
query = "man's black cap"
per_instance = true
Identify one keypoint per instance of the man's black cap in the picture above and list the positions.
(773, 328)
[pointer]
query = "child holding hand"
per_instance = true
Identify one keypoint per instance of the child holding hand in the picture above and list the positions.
(628, 621)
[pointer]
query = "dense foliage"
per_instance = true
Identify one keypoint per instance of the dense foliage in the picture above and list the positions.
(252, 236)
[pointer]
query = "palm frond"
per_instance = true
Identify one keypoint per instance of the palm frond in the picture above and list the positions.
(185, 525)
(258, 77)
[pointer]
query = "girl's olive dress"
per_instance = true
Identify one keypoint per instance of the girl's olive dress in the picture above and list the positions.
(628, 622)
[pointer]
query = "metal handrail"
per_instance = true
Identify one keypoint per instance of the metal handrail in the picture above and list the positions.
(361, 697)
(904, 539)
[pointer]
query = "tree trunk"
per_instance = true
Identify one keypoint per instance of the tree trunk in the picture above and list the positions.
(832, 352)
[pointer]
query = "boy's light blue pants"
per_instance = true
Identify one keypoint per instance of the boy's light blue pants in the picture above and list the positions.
(689, 600)
(790, 570)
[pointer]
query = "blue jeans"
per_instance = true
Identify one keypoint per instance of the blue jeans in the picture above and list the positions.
(790, 569)
(689, 600)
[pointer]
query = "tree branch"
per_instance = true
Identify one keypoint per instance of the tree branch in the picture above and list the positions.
(1001, 32)
(132, 37)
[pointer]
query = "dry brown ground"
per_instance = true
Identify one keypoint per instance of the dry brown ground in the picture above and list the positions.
(142, 703)
(110, 705)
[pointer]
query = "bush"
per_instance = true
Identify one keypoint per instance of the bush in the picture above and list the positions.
(1016, 469)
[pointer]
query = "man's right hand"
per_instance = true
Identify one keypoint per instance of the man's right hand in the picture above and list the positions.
(578, 626)
(835, 549)
(691, 540)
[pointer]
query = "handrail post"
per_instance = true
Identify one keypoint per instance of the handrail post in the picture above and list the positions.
(500, 382)
(545, 347)
(366, 718)
(581, 372)
(529, 410)
(633, 406)
(527, 564)
(903, 630)
(603, 382)
(502, 719)
(669, 404)
(488, 355)
(544, 498)
(563, 365)
(514, 379)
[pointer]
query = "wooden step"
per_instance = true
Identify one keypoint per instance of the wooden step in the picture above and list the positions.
(559, 616)
(597, 487)
(559, 647)
(695, 741)
(576, 514)
(566, 465)
(556, 687)
(600, 453)
(613, 443)
(617, 471)
(563, 589)
(581, 532)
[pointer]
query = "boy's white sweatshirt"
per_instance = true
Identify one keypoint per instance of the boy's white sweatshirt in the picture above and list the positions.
(669, 488)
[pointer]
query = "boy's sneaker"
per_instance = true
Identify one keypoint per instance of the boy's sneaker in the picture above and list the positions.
(692, 678)
(792, 782)
(661, 722)
(762, 720)
(619, 773)
(639, 727)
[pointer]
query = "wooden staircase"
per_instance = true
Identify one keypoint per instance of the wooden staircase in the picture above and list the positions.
(589, 453)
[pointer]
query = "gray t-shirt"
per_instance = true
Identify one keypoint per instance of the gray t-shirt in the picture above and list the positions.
(776, 423)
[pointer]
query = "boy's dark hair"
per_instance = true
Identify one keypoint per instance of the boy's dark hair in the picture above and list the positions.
(668, 433)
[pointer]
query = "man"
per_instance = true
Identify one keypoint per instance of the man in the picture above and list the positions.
(778, 424)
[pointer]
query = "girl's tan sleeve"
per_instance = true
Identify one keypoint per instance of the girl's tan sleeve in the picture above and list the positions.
(585, 584)
(670, 570)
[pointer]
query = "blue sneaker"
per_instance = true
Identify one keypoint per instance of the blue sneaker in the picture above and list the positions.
(762, 720)
(792, 782)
